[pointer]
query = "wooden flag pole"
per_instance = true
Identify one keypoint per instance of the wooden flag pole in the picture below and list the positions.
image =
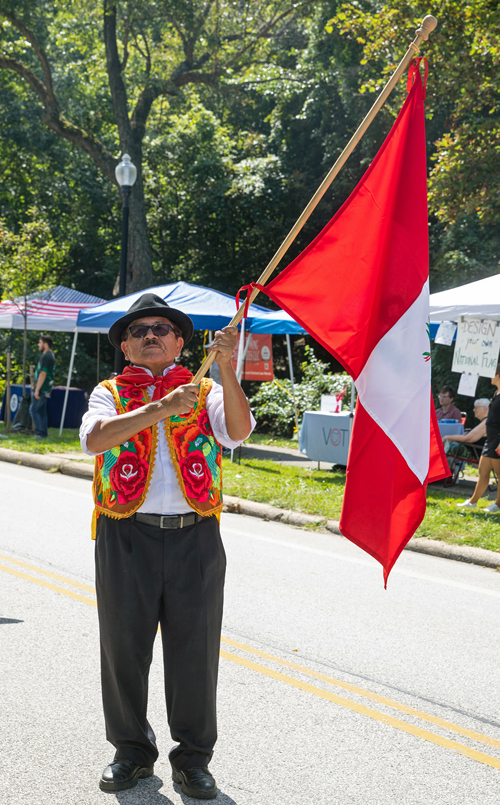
(422, 34)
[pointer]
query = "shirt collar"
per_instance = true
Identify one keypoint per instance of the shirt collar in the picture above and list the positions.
(143, 369)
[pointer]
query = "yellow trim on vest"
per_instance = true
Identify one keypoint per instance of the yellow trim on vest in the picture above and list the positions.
(152, 460)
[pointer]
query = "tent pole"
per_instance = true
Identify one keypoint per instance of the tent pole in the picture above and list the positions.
(98, 355)
(351, 413)
(239, 362)
(70, 372)
(290, 364)
(241, 350)
(7, 395)
(245, 350)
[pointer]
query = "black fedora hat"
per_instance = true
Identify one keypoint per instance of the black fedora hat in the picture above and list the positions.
(149, 304)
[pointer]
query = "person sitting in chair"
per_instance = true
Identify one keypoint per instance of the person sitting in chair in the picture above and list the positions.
(490, 458)
(447, 409)
(474, 438)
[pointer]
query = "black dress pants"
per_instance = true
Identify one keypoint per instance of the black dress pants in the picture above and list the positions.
(145, 576)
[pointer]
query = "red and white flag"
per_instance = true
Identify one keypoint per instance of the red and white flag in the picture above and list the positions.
(361, 288)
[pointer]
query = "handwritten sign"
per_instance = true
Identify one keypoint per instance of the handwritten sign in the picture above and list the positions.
(467, 385)
(445, 333)
(477, 347)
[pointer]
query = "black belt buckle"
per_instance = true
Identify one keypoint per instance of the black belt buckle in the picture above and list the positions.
(171, 521)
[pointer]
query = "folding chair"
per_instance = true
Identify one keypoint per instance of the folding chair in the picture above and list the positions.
(458, 462)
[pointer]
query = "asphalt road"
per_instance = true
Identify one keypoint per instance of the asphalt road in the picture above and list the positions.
(331, 690)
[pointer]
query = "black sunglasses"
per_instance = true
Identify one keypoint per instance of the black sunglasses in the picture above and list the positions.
(141, 330)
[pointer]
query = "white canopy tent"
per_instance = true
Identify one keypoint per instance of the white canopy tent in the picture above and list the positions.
(479, 299)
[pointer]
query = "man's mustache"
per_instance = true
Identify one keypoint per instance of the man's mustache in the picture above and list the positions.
(152, 342)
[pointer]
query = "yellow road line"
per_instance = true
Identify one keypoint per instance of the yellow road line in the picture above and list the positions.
(324, 694)
(449, 725)
(48, 585)
(49, 573)
(365, 711)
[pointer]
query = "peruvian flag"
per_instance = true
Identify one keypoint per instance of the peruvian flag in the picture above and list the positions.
(362, 290)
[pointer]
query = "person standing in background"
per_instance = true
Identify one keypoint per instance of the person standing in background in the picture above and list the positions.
(44, 381)
(490, 459)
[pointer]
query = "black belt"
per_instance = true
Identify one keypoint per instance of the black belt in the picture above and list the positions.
(168, 520)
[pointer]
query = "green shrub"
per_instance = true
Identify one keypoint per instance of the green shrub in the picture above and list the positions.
(272, 406)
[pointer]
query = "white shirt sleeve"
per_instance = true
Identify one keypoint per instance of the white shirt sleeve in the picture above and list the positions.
(215, 411)
(101, 406)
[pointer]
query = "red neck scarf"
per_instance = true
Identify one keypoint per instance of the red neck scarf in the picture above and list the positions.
(135, 376)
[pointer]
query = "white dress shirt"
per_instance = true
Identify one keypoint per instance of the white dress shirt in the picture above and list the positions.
(164, 494)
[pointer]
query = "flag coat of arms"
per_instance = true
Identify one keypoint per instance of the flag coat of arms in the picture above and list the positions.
(361, 288)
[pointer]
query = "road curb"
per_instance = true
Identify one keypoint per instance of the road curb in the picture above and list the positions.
(48, 463)
(433, 547)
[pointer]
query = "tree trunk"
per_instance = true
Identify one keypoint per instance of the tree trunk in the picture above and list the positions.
(139, 265)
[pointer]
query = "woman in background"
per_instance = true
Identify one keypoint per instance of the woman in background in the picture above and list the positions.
(490, 459)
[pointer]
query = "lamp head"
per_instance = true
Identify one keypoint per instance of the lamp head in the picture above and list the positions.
(126, 172)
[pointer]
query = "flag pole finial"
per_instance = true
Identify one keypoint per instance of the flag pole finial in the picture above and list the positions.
(427, 26)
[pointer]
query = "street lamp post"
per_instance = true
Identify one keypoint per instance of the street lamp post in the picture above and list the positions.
(126, 174)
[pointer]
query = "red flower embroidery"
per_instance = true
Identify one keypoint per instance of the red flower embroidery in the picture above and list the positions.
(196, 476)
(128, 476)
(204, 423)
(142, 442)
(132, 393)
(132, 405)
(182, 437)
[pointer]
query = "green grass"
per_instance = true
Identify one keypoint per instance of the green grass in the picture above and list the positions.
(310, 491)
(273, 441)
(445, 522)
(67, 442)
(320, 492)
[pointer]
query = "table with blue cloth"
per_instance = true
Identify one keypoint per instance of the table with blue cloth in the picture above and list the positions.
(77, 405)
(325, 437)
(450, 428)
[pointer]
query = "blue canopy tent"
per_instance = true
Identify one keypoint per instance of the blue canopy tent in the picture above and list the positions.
(209, 310)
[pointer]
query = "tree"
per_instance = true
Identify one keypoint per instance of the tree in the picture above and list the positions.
(146, 50)
(29, 261)
(463, 119)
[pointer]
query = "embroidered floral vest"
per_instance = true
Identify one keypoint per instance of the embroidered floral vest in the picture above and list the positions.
(122, 475)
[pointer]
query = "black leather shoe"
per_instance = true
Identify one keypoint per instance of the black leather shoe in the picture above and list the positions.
(197, 782)
(122, 774)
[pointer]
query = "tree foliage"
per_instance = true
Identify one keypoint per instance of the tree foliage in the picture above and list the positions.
(97, 70)
(29, 258)
(463, 117)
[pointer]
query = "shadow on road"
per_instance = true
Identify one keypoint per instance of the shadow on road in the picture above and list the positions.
(147, 792)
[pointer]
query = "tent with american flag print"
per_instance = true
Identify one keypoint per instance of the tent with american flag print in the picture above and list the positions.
(56, 309)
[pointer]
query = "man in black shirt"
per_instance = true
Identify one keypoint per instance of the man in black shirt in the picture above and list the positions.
(44, 377)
